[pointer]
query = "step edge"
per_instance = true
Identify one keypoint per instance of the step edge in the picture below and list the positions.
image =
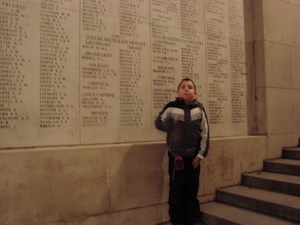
(287, 176)
(261, 206)
(261, 191)
(244, 210)
(295, 162)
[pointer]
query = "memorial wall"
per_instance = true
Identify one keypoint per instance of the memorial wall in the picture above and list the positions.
(98, 71)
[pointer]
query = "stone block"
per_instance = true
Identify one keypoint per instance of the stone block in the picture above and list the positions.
(295, 58)
(248, 20)
(278, 65)
(17, 205)
(275, 142)
(281, 22)
(138, 176)
(259, 61)
(258, 22)
(296, 111)
(296, 139)
(294, 2)
(229, 158)
(280, 112)
(261, 110)
(54, 184)
(250, 81)
(165, 212)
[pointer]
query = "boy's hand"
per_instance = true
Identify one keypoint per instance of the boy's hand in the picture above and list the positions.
(196, 162)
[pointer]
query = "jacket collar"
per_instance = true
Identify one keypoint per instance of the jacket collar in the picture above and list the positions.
(183, 102)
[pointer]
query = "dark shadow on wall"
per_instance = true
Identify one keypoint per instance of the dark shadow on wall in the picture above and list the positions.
(139, 176)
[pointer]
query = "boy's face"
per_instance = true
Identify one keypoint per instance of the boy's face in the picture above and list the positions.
(187, 91)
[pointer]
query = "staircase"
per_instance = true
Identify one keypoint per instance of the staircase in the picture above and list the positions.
(268, 197)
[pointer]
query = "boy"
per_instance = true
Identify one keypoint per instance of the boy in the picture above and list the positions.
(186, 124)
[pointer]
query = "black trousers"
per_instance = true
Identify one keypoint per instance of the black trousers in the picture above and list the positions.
(184, 208)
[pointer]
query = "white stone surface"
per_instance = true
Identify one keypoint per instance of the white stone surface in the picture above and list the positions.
(250, 81)
(296, 112)
(138, 176)
(281, 22)
(248, 21)
(280, 116)
(275, 142)
(261, 110)
(278, 65)
(258, 21)
(229, 158)
(46, 185)
(85, 72)
(40, 71)
(260, 65)
(276, 31)
(295, 58)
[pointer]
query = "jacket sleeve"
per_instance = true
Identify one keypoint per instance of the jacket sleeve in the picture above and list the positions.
(204, 144)
(163, 121)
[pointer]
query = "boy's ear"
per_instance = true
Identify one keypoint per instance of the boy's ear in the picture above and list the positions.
(177, 93)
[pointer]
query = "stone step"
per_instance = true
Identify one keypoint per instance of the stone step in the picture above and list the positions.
(283, 183)
(272, 203)
(291, 153)
(286, 166)
(214, 213)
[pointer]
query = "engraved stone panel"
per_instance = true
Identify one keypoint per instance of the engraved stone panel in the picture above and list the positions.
(115, 75)
(226, 69)
(87, 72)
(178, 50)
(39, 73)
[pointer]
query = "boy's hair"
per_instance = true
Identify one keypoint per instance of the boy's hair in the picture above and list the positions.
(186, 79)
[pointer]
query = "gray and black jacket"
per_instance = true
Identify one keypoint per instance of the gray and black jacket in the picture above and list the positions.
(189, 135)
